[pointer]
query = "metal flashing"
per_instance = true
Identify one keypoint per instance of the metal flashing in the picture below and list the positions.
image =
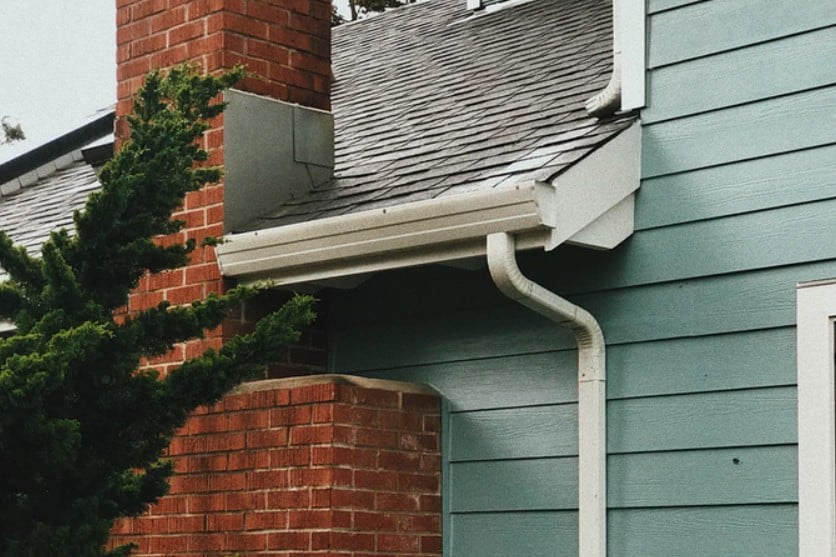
(274, 151)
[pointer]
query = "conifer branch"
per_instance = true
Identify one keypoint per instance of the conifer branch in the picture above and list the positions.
(82, 431)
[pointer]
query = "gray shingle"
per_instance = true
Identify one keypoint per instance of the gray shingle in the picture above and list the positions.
(29, 214)
(430, 101)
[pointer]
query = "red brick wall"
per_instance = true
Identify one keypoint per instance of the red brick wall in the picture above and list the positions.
(307, 356)
(325, 466)
(285, 44)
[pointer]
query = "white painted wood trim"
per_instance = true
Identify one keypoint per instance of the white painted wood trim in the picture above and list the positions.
(630, 35)
(816, 312)
(588, 191)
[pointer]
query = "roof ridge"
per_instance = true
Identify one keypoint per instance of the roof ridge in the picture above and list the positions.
(99, 126)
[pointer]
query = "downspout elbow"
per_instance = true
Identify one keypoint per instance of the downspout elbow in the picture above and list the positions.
(608, 101)
(592, 401)
(509, 279)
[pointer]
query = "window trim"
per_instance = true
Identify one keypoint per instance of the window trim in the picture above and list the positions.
(816, 320)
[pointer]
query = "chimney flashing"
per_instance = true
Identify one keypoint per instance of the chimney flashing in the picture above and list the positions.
(273, 152)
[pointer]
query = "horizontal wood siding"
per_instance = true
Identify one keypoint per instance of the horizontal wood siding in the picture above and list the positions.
(743, 475)
(655, 6)
(792, 178)
(737, 205)
(704, 28)
(776, 125)
(753, 73)
(517, 534)
(744, 531)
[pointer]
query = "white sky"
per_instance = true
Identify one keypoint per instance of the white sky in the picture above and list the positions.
(57, 65)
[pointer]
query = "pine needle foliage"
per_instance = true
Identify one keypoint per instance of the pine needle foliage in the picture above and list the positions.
(82, 432)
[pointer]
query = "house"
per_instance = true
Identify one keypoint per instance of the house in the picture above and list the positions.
(694, 224)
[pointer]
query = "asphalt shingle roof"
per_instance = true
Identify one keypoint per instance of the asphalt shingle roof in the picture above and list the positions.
(429, 100)
(31, 209)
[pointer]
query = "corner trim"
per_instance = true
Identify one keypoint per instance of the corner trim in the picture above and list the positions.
(816, 320)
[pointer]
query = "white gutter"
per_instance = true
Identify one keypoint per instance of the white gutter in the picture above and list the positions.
(626, 88)
(432, 231)
(590, 204)
(592, 419)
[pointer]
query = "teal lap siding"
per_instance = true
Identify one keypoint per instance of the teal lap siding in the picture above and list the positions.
(737, 205)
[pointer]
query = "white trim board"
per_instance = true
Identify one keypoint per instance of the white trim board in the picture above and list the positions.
(816, 317)
(630, 20)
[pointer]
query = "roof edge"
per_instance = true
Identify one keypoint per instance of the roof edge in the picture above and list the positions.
(418, 233)
(79, 137)
(590, 206)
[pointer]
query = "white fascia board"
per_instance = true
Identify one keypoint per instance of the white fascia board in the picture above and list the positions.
(432, 231)
(589, 191)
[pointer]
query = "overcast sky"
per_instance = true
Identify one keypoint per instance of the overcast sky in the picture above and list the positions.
(57, 65)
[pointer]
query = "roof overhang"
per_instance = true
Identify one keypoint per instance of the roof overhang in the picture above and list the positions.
(590, 204)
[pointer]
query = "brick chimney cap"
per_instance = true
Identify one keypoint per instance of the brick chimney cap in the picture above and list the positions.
(334, 378)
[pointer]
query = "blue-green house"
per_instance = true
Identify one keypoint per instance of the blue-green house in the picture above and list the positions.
(736, 206)
(669, 166)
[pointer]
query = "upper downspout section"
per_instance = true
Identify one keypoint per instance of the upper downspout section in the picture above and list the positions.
(511, 282)
(626, 88)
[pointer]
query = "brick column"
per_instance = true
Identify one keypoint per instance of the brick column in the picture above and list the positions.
(329, 465)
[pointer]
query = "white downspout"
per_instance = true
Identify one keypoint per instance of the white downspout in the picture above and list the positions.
(608, 100)
(626, 88)
(592, 434)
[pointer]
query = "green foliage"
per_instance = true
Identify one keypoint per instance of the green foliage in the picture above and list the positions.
(336, 17)
(11, 132)
(81, 431)
(359, 9)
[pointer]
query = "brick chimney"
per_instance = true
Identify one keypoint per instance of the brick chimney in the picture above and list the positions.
(285, 45)
(297, 467)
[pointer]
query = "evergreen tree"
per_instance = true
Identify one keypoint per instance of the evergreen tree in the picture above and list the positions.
(81, 430)
(359, 9)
